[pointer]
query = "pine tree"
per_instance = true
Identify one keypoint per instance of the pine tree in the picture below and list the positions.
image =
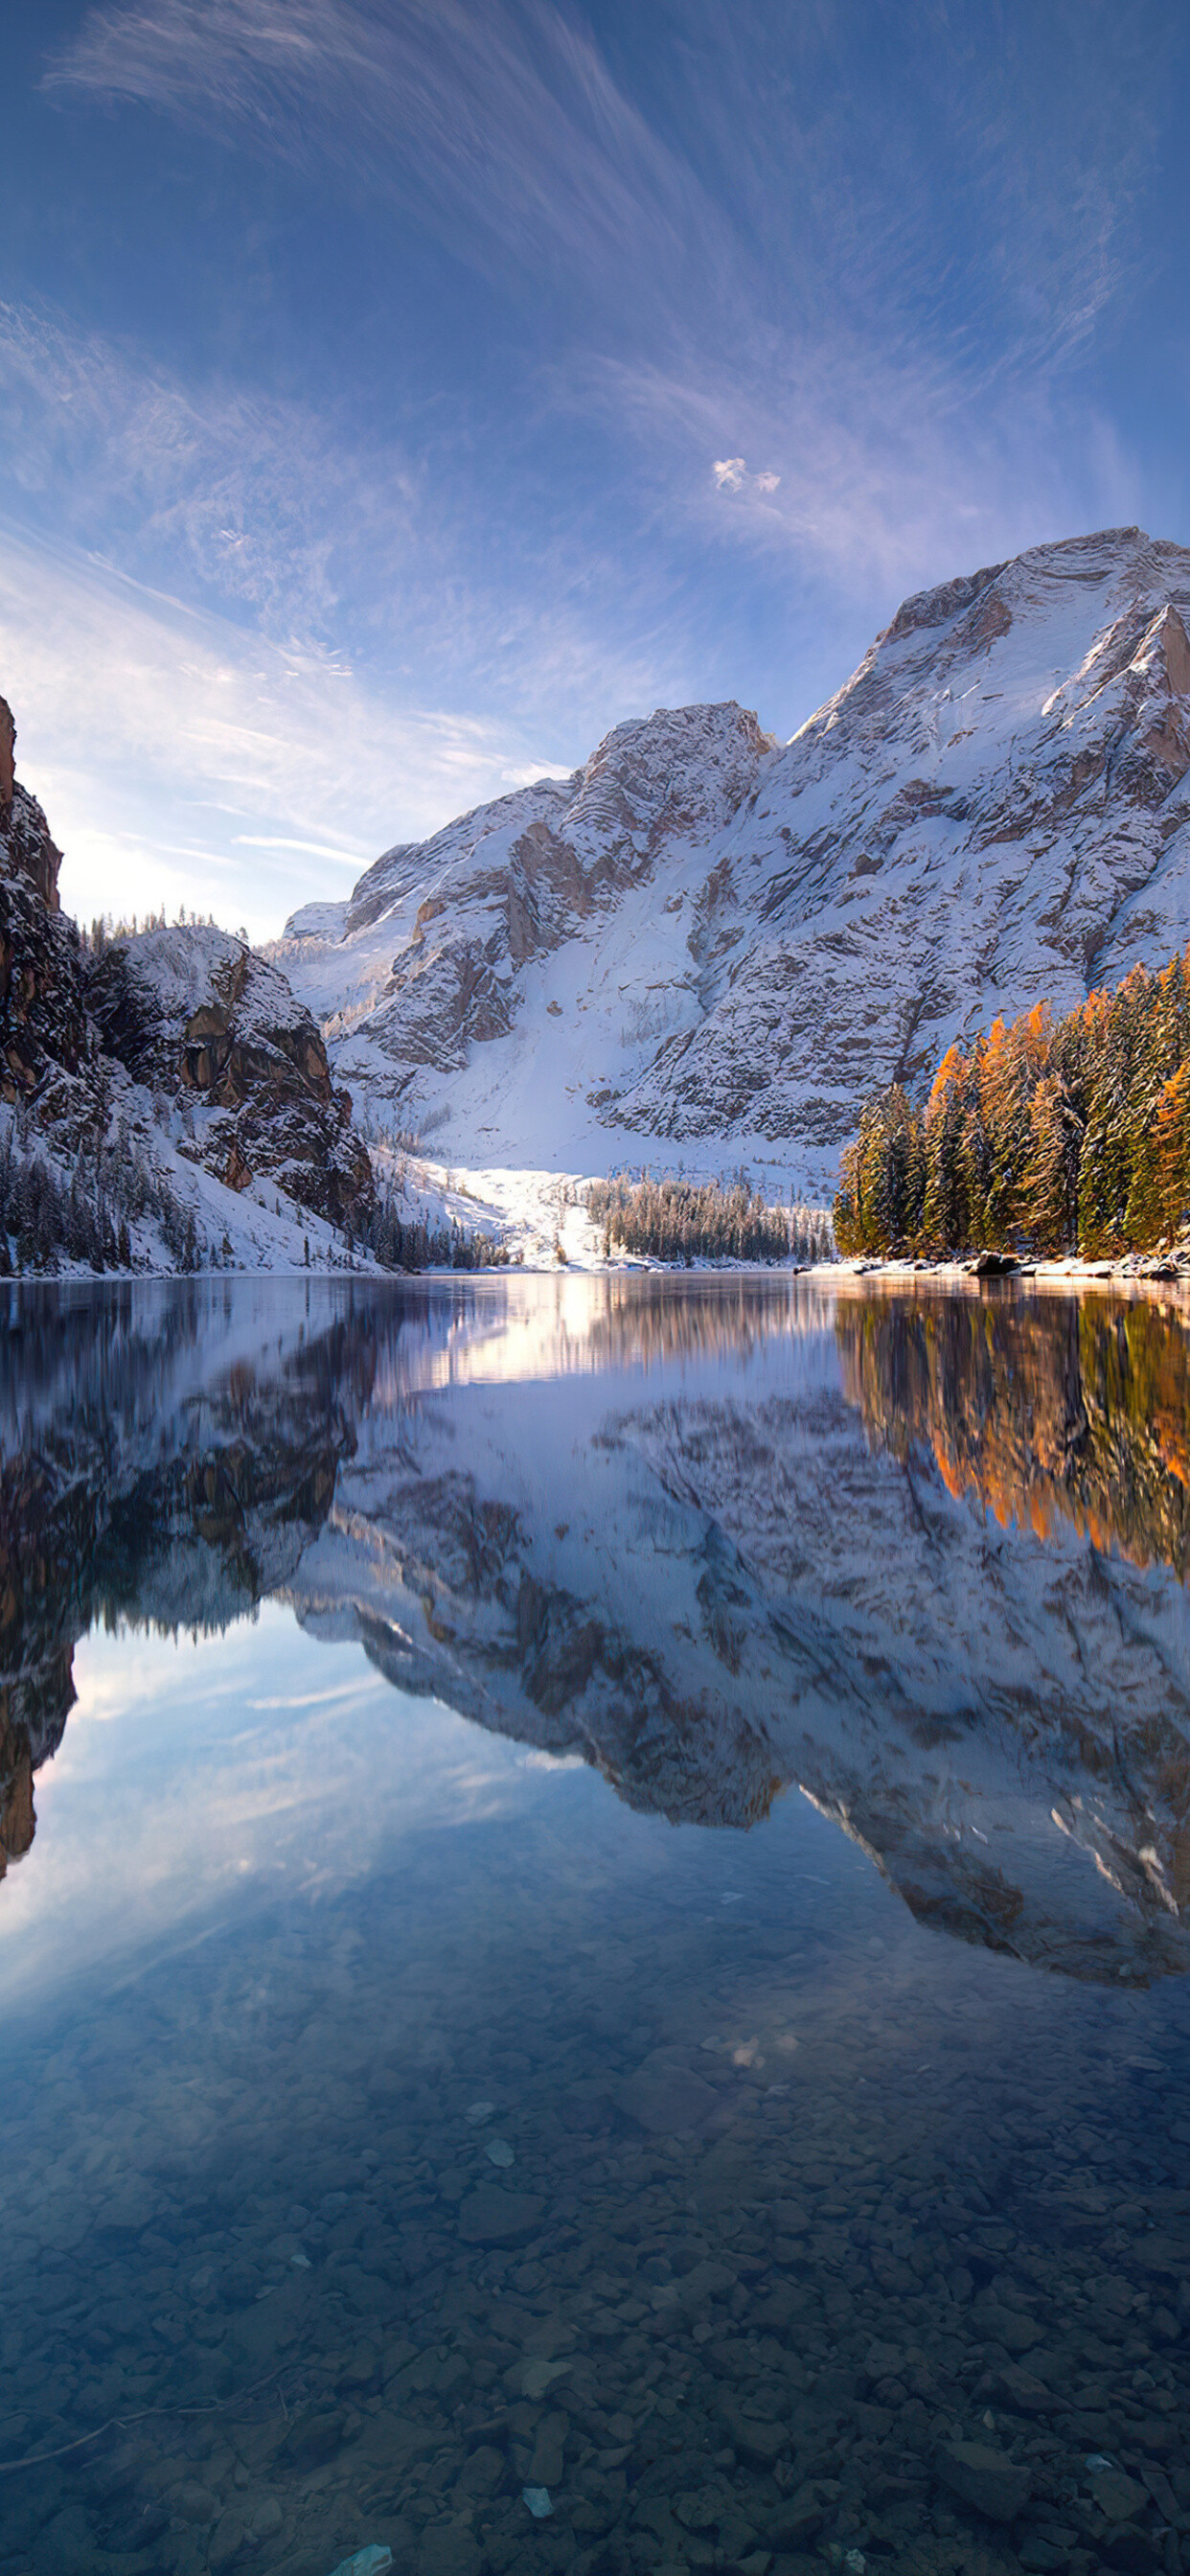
(1037, 1134)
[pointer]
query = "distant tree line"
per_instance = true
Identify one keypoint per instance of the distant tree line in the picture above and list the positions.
(1048, 1136)
(685, 1221)
(398, 1242)
(107, 933)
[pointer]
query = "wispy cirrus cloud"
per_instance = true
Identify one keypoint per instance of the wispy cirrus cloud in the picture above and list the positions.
(790, 313)
(307, 532)
(504, 128)
(953, 175)
(860, 243)
(266, 503)
(165, 742)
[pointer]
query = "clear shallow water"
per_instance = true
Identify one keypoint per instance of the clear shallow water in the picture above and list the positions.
(738, 1735)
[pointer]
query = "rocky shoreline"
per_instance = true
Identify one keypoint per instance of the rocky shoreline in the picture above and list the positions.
(1132, 1270)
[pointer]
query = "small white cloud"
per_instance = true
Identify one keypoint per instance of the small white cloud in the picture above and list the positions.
(731, 475)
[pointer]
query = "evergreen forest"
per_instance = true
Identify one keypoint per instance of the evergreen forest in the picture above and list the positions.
(685, 1221)
(1044, 1136)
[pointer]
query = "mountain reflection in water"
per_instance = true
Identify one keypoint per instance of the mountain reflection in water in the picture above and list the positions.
(923, 1558)
(397, 2121)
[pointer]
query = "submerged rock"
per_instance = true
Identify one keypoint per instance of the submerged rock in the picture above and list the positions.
(987, 2479)
(1119, 2498)
(492, 2216)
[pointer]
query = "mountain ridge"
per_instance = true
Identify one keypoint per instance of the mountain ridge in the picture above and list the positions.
(701, 949)
(743, 938)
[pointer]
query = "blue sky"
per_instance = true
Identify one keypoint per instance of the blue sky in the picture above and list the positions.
(394, 396)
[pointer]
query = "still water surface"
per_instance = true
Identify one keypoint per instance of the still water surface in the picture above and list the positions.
(593, 1946)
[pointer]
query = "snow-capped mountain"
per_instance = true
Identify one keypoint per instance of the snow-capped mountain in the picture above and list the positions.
(706, 947)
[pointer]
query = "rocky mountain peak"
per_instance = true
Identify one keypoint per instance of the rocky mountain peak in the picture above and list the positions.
(1175, 645)
(928, 608)
(441, 935)
(681, 770)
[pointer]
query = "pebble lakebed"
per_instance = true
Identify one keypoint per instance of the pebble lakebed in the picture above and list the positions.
(807, 2238)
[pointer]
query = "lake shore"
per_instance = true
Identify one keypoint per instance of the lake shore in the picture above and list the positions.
(1132, 1270)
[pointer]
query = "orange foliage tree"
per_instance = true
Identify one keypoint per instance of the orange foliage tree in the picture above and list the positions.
(1038, 1135)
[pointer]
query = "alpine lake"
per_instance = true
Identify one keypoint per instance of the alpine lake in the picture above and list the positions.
(593, 1927)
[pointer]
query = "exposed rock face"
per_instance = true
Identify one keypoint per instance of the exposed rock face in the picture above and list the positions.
(45, 1049)
(194, 1009)
(43, 1025)
(16, 1788)
(42, 1016)
(26, 850)
(737, 942)
(444, 937)
(96, 1047)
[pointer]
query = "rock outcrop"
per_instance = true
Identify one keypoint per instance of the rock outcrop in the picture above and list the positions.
(44, 1044)
(193, 1012)
(717, 946)
(176, 1048)
(16, 1788)
(26, 850)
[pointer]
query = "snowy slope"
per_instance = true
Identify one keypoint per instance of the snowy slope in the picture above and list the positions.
(703, 949)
